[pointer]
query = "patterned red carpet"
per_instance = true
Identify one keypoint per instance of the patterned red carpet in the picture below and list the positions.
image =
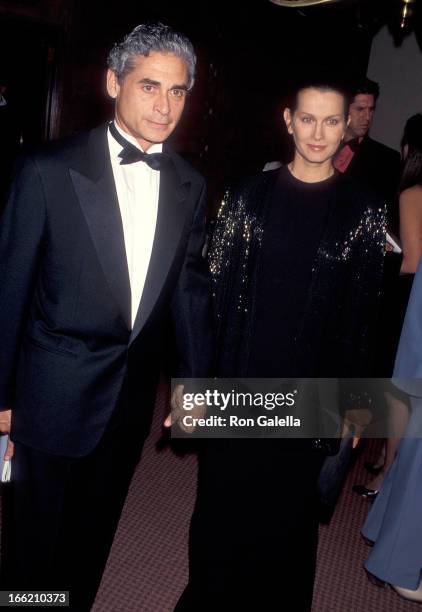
(147, 568)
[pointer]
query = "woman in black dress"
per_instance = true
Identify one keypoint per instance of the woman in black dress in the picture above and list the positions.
(296, 258)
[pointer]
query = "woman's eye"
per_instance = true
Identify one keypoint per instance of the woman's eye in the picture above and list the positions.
(306, 119)
(332, 121)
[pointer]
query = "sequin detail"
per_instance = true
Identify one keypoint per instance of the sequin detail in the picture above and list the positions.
(348, 262)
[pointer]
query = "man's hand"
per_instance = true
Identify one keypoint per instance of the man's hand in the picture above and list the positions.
(178, 412)
(5, 422)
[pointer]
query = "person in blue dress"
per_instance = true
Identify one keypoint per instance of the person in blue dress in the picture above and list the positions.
(394, 522)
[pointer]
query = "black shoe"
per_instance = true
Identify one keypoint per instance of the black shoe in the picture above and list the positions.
(364, 492)
(370, 467)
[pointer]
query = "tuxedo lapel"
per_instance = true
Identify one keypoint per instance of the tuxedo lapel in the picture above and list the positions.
(96, 191)
(170, 221)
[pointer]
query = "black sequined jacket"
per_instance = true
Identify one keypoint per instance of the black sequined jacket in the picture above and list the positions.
(335, 331)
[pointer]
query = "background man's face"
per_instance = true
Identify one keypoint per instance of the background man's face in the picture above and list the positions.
(150, 99)
(361, 112)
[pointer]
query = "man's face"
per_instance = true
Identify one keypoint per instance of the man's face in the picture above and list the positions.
(150, 99)
(317, 125)
(361, 112)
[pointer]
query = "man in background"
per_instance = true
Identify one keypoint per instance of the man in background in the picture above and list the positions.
(367, 160)
(374, 164)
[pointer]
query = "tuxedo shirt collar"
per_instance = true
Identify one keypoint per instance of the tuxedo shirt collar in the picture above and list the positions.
(116, 147)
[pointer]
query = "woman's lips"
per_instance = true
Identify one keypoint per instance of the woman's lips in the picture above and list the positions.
(317, 148)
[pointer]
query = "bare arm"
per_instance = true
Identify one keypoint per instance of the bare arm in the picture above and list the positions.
(411, 228)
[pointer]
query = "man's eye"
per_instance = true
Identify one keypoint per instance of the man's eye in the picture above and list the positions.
(148, 88)
(178, 93)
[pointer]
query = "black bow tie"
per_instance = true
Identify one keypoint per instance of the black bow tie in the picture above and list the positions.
(131, 154)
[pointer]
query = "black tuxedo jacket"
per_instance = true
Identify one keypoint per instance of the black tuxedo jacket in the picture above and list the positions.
(378, 167)
(67, 346)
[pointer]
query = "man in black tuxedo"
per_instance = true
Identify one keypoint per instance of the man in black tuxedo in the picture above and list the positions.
(100, 257)
(369, 161)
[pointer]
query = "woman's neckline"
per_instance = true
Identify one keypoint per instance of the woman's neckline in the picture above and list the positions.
(323, 181)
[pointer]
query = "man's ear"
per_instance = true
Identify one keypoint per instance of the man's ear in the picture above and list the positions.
(113, 86)
(288, 120)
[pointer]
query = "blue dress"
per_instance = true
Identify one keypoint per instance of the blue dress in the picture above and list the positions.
(395, 520)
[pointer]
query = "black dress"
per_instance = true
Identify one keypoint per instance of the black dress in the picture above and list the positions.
(293, 229)
(279, 257)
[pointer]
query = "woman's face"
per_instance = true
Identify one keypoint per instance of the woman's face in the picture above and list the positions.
(317, 125)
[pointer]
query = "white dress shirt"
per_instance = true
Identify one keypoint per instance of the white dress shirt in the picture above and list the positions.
(137, 187)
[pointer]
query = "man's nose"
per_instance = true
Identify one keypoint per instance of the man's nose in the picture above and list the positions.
(162, 103)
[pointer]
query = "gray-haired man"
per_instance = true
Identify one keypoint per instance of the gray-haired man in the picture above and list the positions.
(100, 247)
